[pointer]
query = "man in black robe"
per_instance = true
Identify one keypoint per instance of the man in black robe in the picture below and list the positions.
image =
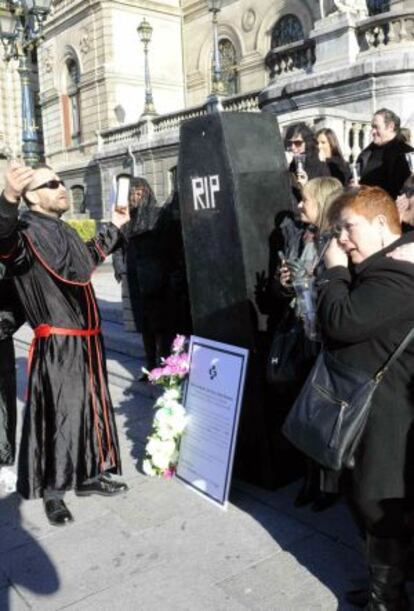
(69, 437)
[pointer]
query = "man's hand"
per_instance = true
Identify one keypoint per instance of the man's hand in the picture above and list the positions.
(335, 255)
(120, 216)
(17, 177)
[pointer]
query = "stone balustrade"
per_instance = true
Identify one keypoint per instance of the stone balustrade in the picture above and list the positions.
(164, 125)
(172, 121)
(294, 57)
(385, 30)
(120, 135)
(248, 102)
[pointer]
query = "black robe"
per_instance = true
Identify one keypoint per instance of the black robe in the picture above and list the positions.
(69, 431)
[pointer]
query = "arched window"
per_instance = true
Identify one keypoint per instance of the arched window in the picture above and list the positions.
(378, 6)
(288, 29)
(228, 60)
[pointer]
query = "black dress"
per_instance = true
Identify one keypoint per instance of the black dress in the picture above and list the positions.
(69, 432)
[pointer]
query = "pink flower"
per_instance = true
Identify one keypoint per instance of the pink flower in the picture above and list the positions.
(178, 343)
(155, 374)
(178, 364)
(169, 473)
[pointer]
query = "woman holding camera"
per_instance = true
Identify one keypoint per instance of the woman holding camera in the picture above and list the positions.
(296, 277)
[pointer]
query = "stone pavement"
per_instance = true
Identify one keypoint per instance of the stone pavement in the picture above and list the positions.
(161, 547)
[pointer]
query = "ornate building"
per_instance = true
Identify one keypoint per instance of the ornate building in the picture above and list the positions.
(327, 62)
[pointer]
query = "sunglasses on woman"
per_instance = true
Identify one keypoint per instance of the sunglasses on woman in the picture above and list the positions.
(50, 184)
(295, 142)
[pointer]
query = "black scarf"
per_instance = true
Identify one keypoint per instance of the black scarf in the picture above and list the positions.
(144, 214)
(58, 247)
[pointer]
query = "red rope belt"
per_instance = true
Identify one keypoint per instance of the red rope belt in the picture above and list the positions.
(47, 330)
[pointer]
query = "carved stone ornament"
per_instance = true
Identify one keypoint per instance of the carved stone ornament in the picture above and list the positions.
(47, 59)
(248, 20)
(84, 41)
(353, 7)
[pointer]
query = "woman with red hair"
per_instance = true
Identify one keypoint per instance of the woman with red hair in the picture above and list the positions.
(364, 315)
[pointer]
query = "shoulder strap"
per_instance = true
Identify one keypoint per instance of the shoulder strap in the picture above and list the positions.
(395, 355)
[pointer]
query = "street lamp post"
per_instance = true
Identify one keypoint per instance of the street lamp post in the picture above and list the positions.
(21, 30)
(145, 33)
(217, 85)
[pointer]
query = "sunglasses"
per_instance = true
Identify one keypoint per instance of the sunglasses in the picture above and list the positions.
(407, 192)
(50, 184)
(296, 142)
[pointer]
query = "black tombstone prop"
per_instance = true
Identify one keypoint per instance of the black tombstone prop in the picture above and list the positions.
(233, 180)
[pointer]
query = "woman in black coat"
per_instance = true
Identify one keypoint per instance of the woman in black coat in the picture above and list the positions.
(330, 152)
(301, 144)
(146, 272)
(11, 317)
(363, 318)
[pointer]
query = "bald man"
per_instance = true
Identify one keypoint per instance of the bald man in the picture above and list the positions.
(69, 438)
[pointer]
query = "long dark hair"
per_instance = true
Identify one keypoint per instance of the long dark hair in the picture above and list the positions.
(306, 133)
(332, 138)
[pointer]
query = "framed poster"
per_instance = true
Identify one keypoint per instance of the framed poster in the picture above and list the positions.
(212, 399)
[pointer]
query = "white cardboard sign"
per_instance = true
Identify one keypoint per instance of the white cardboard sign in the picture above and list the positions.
(213, 398)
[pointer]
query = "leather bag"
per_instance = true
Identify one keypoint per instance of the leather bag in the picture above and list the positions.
(291, 355)
(329, 416)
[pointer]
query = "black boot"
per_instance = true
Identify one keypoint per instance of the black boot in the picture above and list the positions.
(310, 488)
(386, 558)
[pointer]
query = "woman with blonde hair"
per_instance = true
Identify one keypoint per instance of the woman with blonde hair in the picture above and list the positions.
(297, 273)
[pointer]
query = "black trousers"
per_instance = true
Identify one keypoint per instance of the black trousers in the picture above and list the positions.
(380, 518)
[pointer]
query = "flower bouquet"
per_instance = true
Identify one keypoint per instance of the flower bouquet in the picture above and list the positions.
(161, 452)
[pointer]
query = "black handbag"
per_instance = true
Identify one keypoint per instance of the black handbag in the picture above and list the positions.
(291, 355)
(329, 416)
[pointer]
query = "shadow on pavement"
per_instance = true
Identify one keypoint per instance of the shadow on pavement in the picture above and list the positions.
(23, 562)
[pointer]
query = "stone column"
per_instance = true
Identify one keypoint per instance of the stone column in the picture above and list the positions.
(336, 41)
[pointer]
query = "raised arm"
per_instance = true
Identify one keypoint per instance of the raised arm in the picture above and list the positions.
(12, 246)
(109, 238)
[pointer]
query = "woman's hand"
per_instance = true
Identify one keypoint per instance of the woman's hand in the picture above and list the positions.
(335, 255)
(302, 177)
(285, 276)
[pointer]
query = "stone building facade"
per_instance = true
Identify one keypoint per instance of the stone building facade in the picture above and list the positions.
(327, 62)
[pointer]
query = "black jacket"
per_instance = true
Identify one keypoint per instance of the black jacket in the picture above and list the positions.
(363, 319)
(385, 166)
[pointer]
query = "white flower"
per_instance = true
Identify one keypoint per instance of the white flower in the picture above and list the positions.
(148, 468)
(165, 454)
(170, 421)
(169, 397)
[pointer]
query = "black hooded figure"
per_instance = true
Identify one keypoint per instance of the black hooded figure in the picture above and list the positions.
(11, 317)
(146, 272)
(169, 233)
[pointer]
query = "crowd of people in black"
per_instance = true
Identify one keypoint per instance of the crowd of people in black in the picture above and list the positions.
(340, 279)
